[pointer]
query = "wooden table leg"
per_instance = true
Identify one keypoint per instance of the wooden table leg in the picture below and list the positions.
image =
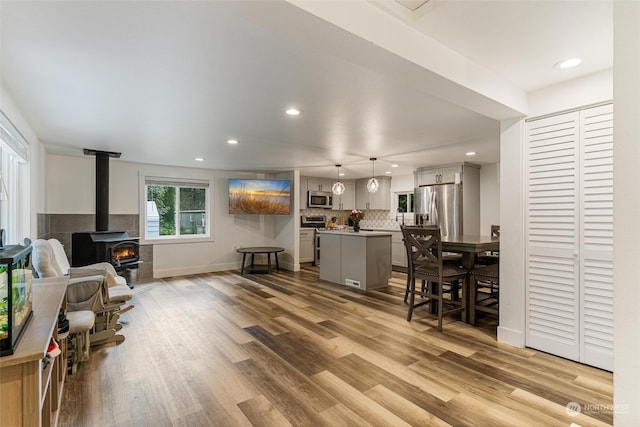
(468, 262)
(244, 256)
(277, 265)
(472, 300)
(268, 262)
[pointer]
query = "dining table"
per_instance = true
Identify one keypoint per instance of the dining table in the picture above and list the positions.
(469, 246)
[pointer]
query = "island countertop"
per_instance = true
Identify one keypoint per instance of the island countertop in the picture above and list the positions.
(361, 233)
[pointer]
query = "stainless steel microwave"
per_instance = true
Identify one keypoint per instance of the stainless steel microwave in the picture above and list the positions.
(320, 199)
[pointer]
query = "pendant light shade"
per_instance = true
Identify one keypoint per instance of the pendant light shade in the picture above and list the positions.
(338, 186)
(372, 184)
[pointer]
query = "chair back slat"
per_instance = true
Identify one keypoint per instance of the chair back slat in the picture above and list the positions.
(423, 245)
(425, 262)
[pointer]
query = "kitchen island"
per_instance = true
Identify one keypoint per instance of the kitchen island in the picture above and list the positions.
(360, 260)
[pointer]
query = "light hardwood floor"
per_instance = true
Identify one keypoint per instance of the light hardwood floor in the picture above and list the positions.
(288, 349)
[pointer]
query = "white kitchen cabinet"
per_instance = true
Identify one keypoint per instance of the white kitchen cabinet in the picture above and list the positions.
(427, 176)
(347, 200)
(451, 173)
(306, 244)
(398, 251)
(362, 196)
(439, 175)
(303, 192)
(381, 199)
(569, 235)
(319, 184)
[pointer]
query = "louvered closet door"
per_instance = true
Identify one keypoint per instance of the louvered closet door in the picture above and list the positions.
(570, 236)
(552, 236)
(596, 248)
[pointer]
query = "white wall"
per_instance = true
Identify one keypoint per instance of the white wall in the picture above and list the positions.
(489, 197)
(71, 189)
(37, 161)
(626, 228)
(512, 219)
(71, 186)
(584, 91)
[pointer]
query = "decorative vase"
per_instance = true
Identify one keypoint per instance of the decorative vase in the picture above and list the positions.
(356, 226)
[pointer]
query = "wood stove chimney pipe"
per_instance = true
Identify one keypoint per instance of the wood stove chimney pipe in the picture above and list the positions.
(102, 186)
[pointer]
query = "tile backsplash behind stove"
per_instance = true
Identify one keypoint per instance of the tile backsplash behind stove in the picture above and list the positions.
(376, 219)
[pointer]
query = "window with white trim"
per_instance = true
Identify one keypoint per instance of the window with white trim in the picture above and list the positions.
(176, 209)
(404, 202)
(14, 183)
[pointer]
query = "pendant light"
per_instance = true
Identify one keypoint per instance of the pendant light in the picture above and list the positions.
(338, 186)
(372, 184)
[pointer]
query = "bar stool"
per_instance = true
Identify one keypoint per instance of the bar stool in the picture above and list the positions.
(425, 259)
(485, 290)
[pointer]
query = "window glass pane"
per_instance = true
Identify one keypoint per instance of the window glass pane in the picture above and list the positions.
(14, 195)
(405, 202)
(192, 211)
(192, 199)
(402, 203)
(165, 208)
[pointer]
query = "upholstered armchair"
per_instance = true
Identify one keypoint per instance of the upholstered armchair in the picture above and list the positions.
(88, 289)
(119, 292)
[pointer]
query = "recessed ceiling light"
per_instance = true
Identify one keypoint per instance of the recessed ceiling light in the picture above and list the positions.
(568, 63)
(387, 172)
(232, 141)
(470, 153)
(293, 112)
(341, 174)
(199, 159)
(394, 166)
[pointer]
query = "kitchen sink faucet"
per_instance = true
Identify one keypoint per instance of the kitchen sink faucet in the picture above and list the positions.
(399, 210)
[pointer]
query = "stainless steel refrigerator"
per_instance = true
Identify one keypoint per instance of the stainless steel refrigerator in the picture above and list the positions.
(439, 204)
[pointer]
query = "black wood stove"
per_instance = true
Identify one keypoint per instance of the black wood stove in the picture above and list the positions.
(104, 245)
(114, 247)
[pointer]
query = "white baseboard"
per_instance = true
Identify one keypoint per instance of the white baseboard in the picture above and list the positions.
(163, 273)
(511, 337)
(289, 266)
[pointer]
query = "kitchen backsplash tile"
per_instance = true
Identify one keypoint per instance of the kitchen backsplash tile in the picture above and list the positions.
(377, 219)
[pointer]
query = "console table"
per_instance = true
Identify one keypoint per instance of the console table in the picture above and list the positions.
(31, 388)
(258, 268)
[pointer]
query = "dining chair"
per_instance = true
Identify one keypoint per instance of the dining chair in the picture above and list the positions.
(491, 257)
(484, 290)
(448, 259)
(425, 262)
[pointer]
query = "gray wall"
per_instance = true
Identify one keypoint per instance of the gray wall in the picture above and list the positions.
(62, 226)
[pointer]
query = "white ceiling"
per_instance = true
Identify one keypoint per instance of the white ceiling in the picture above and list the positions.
(165, 82)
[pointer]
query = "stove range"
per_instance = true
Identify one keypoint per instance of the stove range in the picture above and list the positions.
(313, 221)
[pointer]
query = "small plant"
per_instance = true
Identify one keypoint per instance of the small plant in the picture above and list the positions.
(356, 215)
